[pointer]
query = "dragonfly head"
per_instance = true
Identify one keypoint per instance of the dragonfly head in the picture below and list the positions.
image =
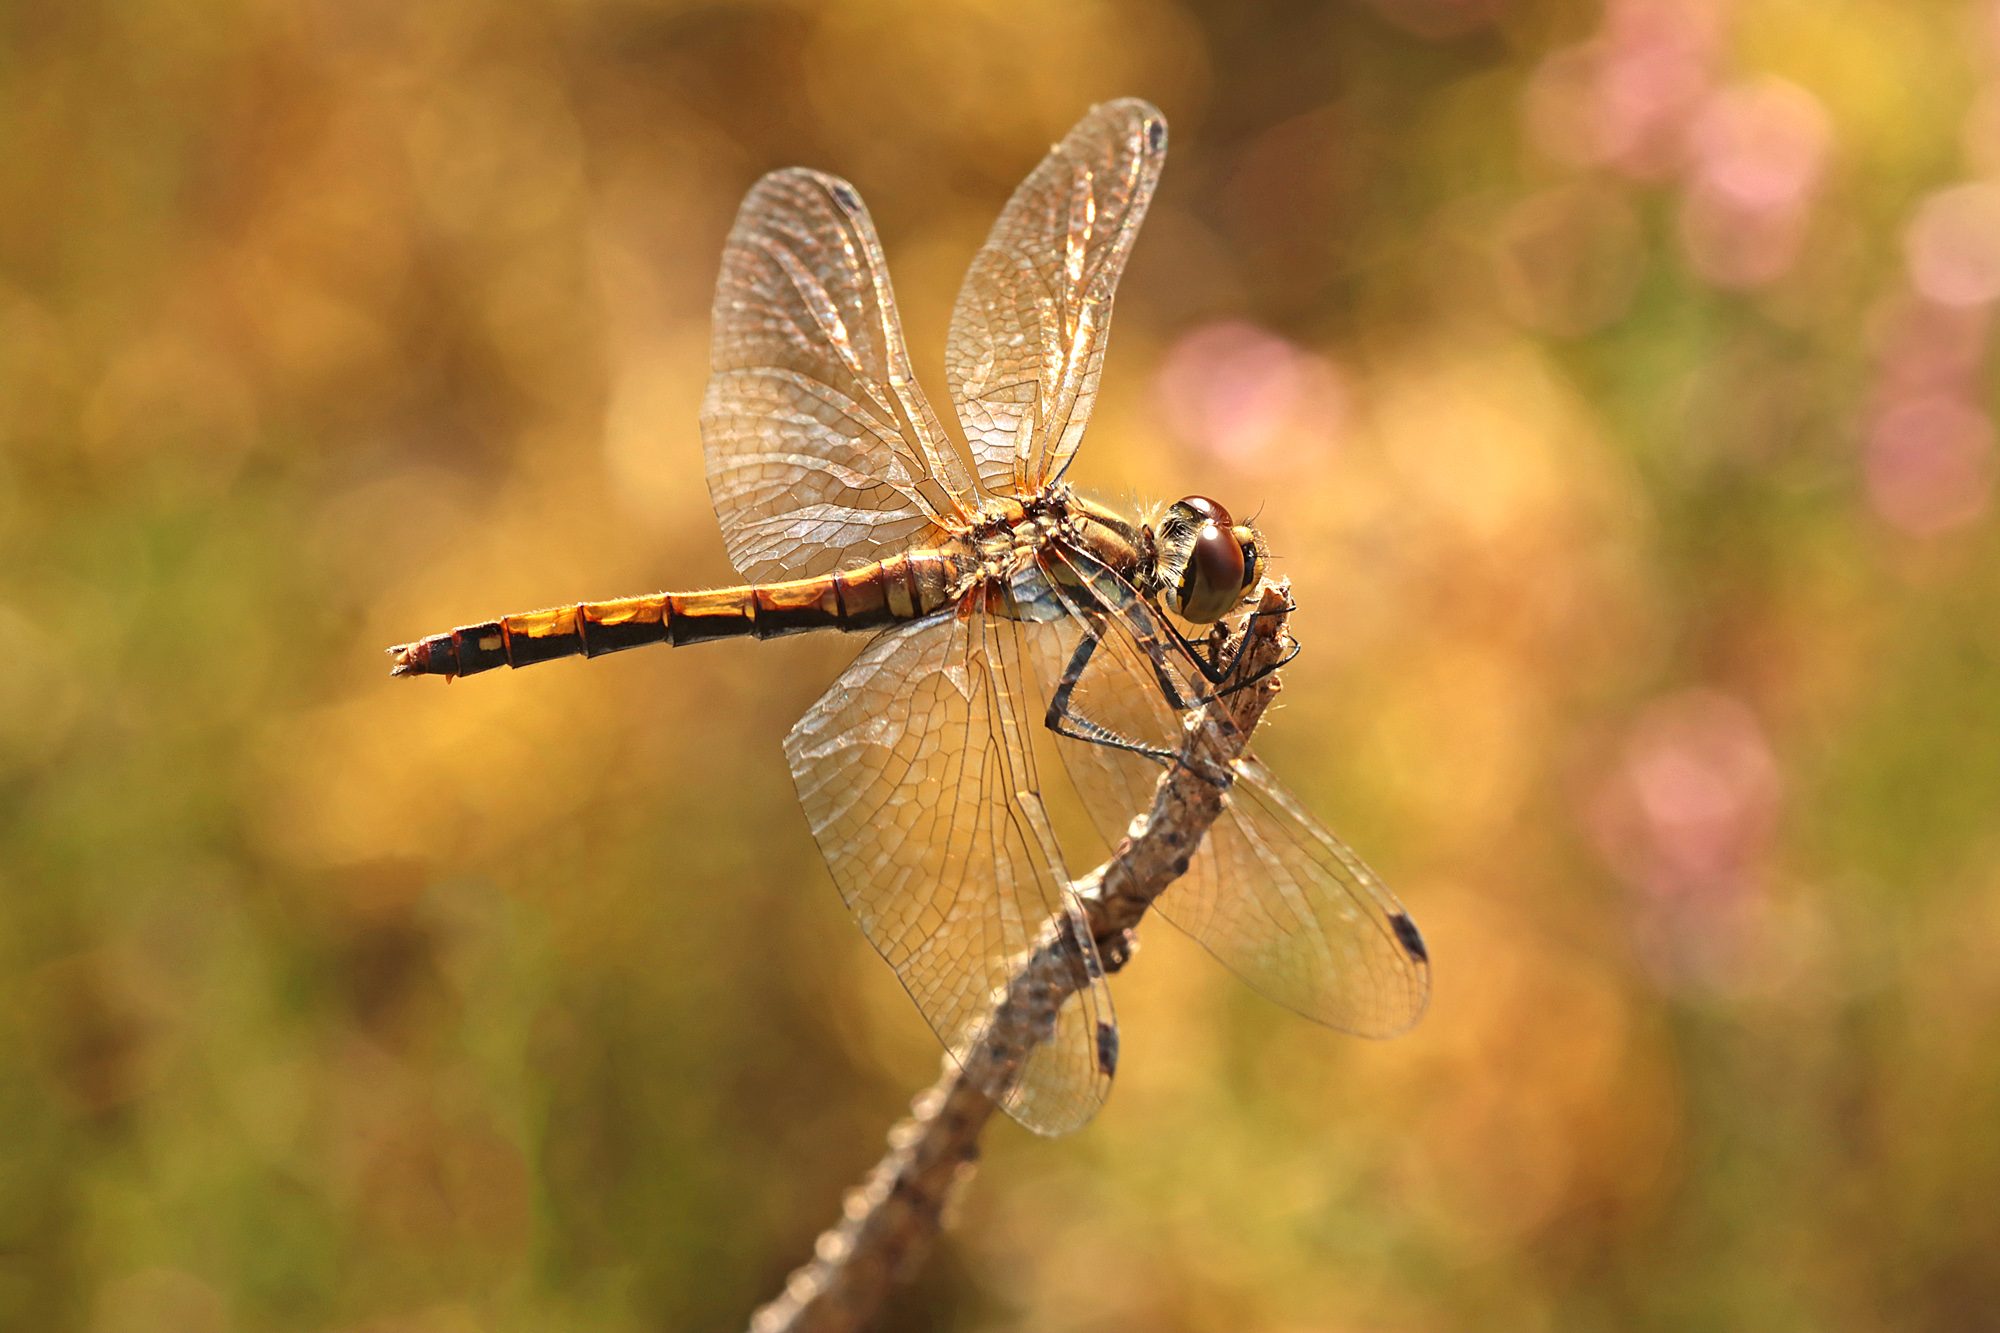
(1207, 562)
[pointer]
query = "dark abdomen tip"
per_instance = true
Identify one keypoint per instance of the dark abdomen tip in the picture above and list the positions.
(435, 656)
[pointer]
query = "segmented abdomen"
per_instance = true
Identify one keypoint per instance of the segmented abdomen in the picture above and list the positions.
(905, 587)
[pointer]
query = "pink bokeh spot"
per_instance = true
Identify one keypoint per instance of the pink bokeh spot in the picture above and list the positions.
(1930, 464)
(1953, 245)
(1624, 99)
(1924, 347)
(1735, 247)
(1687, 817)
(1761, 146)
(1244, 394)
(1692, 805)
(1756, 154)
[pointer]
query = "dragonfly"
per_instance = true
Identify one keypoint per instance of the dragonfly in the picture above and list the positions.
(1000, 599)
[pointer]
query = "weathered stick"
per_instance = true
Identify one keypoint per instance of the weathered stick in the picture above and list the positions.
(889, 1221)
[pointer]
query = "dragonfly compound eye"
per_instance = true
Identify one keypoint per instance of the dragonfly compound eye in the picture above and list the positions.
(1202, 564)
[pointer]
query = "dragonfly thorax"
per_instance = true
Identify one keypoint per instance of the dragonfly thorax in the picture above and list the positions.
(1205, 561)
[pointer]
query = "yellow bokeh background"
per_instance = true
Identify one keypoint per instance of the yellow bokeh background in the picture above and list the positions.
(1612, 382)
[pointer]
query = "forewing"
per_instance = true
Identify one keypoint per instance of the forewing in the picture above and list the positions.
(916, 774)
(822, 452)
(1270, 891)
(1028, 333)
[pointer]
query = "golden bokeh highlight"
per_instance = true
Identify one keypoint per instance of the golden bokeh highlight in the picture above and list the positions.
(1612, 381)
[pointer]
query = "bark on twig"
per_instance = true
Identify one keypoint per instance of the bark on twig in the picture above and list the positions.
(889, 1221)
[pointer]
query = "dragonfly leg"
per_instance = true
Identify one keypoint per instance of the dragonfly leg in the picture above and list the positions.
(1116, 950)
(1064, 720)
(1210, 664)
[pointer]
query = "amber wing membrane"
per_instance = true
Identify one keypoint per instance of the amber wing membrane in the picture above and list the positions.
(1028, 333)
(822, 452)
(917, 775)
(1271, 892)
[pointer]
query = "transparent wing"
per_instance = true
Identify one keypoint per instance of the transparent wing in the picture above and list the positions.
(1273, 894)
(918, 778)
(822, 452)
(1028, 333)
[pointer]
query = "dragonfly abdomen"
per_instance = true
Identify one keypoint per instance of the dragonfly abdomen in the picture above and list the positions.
(888, 592)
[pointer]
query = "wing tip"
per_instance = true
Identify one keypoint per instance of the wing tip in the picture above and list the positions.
(845, 197)
(1140, 114)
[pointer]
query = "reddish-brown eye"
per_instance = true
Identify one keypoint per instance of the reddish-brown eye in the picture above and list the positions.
(1211, 577)
(1214, 578)
(1209, 511)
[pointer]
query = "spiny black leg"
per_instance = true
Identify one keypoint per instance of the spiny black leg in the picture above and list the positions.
(1259, 674)
(1165, 679)
(1065, 721)
(1214, 672)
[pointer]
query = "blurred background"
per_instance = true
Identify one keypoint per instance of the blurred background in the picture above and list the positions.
(1614, 383)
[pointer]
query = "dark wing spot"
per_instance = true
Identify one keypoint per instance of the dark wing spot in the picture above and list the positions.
(1107, 1048)
(1406, 931)
(849, 201)
(1156, 134)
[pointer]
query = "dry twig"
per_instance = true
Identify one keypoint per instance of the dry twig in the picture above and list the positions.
(890, 1219)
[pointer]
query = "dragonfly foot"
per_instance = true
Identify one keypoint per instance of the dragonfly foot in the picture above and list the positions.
(1116, 950)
